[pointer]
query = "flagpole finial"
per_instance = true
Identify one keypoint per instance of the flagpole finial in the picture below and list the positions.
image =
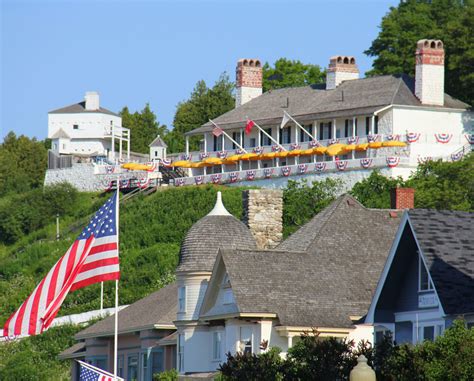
(219, 208)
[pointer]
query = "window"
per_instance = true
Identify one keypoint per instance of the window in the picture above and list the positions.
(330, 130)
(428, 333)
(216, 345)
(182, 299)
(376, 126)
(157, 364)
(64, 146)
(246, 339)
(132, 367)
(266, 141)
(217, 143)
(346, 128)
(181, 352)
(236, 137)
(253, 142)
(367, 125)
(424, 283)
(156, 153)
(303, 135)
(321, 132)
(120, 365)
(228, 296)
(144, 366)
(75, 126)
(285, 135)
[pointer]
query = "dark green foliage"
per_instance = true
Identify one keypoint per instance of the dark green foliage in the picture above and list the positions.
(169, 375)
(143, 128)
(301, 201)
(22, 163)
(34, 358)
(438, 185)
(288, 73)
(451, 21)
(204, 103)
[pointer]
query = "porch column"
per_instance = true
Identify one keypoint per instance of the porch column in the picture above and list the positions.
(187, 144)
(372, 125)
(223, 142)
(128, 146)
(113, 143)
(334, 134)
(354, 133)
(205, 143)
(120, 147)
(290, 341)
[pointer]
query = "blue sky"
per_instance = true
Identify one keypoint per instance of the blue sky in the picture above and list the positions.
(134, 52)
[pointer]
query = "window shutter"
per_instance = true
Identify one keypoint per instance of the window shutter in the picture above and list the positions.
(376, 127)
(367, 125)
(330, 130)
(321, 129)
(346, 129)
(215, 143)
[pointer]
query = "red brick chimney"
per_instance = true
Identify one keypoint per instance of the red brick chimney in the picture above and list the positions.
(402, 198)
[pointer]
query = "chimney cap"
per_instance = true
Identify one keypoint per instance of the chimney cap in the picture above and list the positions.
(251, 62)
(430, 44)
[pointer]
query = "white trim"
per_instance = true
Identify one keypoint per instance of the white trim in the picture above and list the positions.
(430, 281)
(430, 108)
(388, 263)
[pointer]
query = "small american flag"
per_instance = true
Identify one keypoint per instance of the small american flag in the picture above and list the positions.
(91, 373)
(217, 131)
(92, 258)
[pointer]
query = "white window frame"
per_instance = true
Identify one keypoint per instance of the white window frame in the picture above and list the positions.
(422, 265)
(243, 344)
(438, 329)
(216, 345)
(180, 354)
(182, 299)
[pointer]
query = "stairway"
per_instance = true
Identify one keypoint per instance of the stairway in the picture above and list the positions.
(169, 174)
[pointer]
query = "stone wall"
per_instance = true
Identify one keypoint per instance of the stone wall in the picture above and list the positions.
(263, 214)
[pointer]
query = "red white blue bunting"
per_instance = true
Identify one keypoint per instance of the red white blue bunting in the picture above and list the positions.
(393, 137)
(413, 137)
(109, 169)
(258, 150)
(268, 172)
(239, 151)
(251, 174)
(457, 156)
(393, 161)
(286, 171)
(109, 186)
(154, 167)
(424, 159)
(341, 165)
(320, 167)
(144, 183)
(443, 138)
(125, 183)
(233, 177)
(216, 178)
(186, 157)
(333, 141)
(166, 162)
(294, 146)
(366, 162)
(204, 155)
(199, 180)
(302, 168)
(353, 140)
(470, 138)
(222, 154)
(372, 138)
(314, 143)
(276, 148)
(179, 182)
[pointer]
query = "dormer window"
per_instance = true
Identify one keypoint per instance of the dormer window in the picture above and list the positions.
(424, 283)
(182, 299)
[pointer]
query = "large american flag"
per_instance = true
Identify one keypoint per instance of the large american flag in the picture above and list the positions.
(92, 258)
(92, 373)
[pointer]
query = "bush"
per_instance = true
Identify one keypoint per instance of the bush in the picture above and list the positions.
(169, 375)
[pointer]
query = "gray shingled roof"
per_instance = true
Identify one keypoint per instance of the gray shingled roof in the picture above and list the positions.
(351, 98)
(75, 350)
(158, 308)
(447, 242)
(203, 241)
(322, 274)
(80, 107)
(158, 142)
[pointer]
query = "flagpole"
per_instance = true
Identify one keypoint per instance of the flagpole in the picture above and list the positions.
(225, 134)
(266, 133)
(101, 296)
(117, 211)
(300, 126)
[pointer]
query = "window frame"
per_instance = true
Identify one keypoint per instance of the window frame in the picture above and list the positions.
(182, 296)
(216, 346)
(422, 266)
(180, 352)
(130, 355)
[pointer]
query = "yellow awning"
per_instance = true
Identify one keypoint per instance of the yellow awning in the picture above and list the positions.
(281, 154)
(362, 147)
(248, 156)
(199, 165)
(307, 152)
(212, 161)
(394, 143)
(268, 155)
(375, 145)
(320, 150)
(233, 158)
(295, 152)
(181, 163)
(335, 149)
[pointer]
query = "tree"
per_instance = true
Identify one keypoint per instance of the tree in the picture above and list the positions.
(374, 191)
(204, 104)
(143, 127)
(290, 73)
(22, 163)
(451, 21)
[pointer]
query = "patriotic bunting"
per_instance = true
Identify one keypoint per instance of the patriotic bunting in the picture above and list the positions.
(258, 150)
(320, 167)
(276, 148)
(233, 177)
(333, 141)
(179, 182)
(216, 178)
(239, 151)
(294, 146)
(222, 154)
(204, 155)
(353, 140)
(341, 165)
(144, 183)
(154, 167)
(443, 138)
(366, 163)
(372, 138)
(198, 180)
(413, 137)
(166, 162)
(302, 168)
(251, 174)
(470, 138)
(124, 183)
(109, 186)
(393, 137)
(314, 143)
(424, 159)
(457, 156)
(186, 157)
(109, 169)
(393, 161)
(267, 172)
(285, 171)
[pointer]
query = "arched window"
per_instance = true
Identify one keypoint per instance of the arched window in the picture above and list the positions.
(339, 59)
(245, 62)
(257, 63)
(440, 45)
(433, 45)
(252, 63)
(353, 61)
(346, 60)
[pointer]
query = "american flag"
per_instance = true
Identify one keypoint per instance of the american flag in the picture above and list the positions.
(92, 258)
(91, 373)
(217, 131)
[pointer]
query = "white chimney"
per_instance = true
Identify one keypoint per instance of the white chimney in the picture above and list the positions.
(248, 80)
(429, 72)
(341, 68)
(92, 100)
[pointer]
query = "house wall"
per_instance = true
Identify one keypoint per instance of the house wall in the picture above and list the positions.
(196, 286)
(90, 125)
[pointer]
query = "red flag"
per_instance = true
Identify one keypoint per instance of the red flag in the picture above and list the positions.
(217, 131)
(249, 125)
(92, 258)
